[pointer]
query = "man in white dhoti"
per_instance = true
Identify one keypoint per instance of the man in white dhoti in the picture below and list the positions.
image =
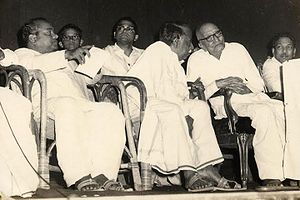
(123, 53)
(90, 136)
(229, 65)
(18, 176)
(165, 142)
(283, 49)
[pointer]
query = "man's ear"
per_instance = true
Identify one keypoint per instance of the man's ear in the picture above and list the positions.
(114, 34)
(294, 53)
(175, 41)
(273, 51)
(32, 38)
(81, 42)
(201, 45)
(136, 37)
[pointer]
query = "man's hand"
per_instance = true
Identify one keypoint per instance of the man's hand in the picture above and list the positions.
(2, 56)
(236, 84)
(78, 54)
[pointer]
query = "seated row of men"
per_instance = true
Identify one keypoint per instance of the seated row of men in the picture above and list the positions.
(94, 132)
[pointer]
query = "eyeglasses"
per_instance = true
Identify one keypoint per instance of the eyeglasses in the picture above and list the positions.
(211, 37)
(71, 37)
(125, 28)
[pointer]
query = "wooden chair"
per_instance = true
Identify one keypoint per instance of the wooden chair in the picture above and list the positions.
(17, 78)
(120, 84)
(233, 132)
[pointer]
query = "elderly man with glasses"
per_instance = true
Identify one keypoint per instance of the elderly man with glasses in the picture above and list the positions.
(228, 65)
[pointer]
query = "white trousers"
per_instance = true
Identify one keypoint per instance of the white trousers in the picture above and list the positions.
(269, 140)
(165, 142)
(17, 176)
(90, 137)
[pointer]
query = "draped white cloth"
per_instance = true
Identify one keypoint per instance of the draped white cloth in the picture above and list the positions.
(266, 114)
(291, 88)
(164, 139)
(90, 137)
(17, 176)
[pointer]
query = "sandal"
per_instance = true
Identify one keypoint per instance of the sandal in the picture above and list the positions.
(228, 185)
(106, 184)
(197, 184)
(86, 183)
(274, 185)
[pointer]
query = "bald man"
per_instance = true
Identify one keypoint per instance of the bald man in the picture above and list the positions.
(228, 65)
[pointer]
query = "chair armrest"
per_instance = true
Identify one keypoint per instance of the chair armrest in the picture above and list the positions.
(121, 81)
(275, 95)
(230, 112)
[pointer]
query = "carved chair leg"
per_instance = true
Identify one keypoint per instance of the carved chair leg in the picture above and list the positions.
(243, 140)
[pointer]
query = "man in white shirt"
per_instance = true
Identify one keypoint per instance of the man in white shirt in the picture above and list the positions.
(15, 118)
(90, 136)
(123, 53)
(283, 49)
(229, 65)
(165, 142)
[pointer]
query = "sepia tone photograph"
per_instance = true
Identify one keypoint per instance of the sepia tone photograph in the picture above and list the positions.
(157, 99)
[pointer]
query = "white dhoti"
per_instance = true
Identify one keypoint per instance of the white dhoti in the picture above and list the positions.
(269, 139)
(90, 137)
(165, 142)
(17, 176)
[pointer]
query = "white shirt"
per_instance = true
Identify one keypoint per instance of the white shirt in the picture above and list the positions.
(163, 76)
(234, 61)
(271, 75)
(120, 63)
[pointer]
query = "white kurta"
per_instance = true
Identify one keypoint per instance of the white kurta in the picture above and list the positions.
(271, 75)
(90, 136)
(17, 176)
(120, 63)
(164, 139)
(266, 114)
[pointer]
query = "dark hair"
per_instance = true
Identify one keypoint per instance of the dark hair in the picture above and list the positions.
(169, 31)
(66, 27)
(27, 29)
(126, 19)
(281, 35)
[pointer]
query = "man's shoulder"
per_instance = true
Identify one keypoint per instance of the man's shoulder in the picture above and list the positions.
(235, 45)
(26, 51)
(198, 55)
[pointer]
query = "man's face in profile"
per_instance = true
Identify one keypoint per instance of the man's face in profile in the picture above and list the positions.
(284, 49)
(46, 38)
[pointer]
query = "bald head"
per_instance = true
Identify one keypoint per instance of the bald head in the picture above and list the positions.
(210, 39)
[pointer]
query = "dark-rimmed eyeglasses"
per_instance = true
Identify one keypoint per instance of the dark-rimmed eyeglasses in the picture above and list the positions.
(125, 28)
(211, 37)
(71, 37)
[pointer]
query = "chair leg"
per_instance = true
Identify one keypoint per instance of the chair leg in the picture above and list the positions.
(146, 175)
(243, 140)
(44, 172)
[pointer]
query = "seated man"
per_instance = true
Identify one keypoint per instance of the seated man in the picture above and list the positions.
(165, 142)
(123, 53)
(283, 49)
(229, 65)
(89, 136)
(15, 117)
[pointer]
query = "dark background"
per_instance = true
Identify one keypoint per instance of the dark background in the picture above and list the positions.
(250, 22)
